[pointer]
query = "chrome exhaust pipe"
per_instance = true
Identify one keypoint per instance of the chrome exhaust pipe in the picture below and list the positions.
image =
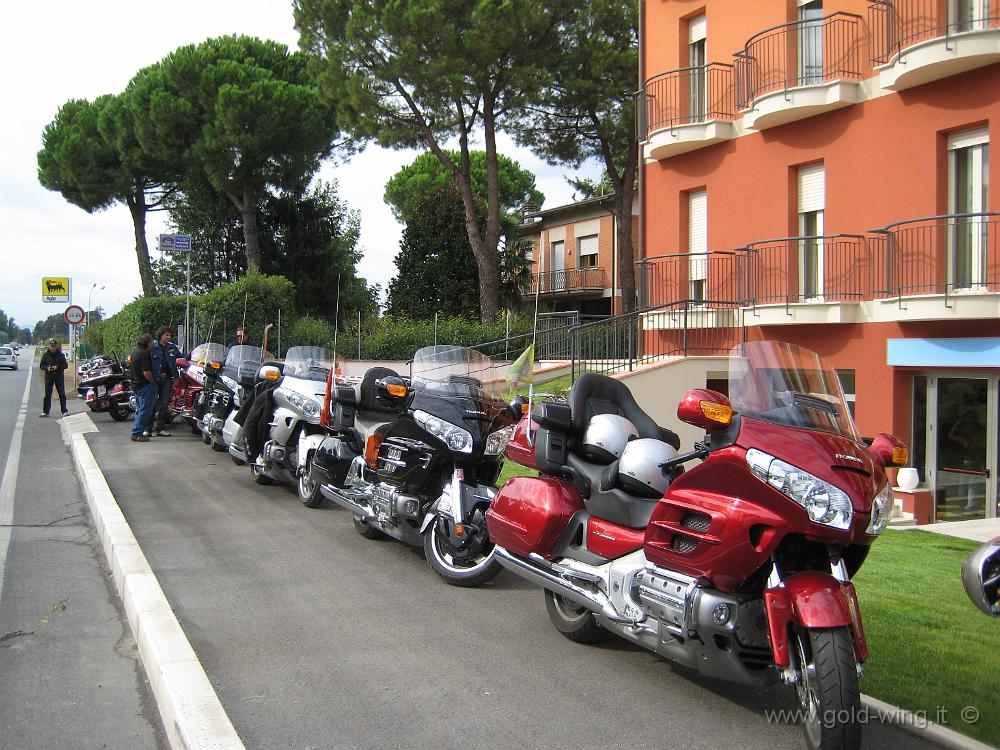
(542, 574)
(333, 494)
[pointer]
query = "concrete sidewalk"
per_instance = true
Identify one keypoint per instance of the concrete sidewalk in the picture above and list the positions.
(980, 530)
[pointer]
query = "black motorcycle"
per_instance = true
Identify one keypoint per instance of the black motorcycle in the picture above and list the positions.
(106, 387)
(418, 460)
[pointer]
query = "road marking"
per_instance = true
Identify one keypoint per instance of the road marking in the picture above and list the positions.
(10, 482)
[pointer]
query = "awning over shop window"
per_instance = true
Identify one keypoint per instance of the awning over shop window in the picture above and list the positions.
(978, 352)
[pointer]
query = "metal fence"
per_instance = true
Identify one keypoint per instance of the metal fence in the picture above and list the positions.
(705, 277)
(676, 329)
(553, 340)
(946, 254)
(800, 53)
(687, 96)
(898, 24)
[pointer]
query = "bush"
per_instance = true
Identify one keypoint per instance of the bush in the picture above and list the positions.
(398, 338)
(221, 311)
(308, 331)
(143, 315)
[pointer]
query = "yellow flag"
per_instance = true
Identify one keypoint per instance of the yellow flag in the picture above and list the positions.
(521, 369)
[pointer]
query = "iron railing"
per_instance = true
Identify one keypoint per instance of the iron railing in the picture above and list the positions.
(819, 268)
(678, 329)
(800, 53)
(709, 276)
(898, 24)
(569, 280)
(552, 338)
(946, 254)
(687, 96)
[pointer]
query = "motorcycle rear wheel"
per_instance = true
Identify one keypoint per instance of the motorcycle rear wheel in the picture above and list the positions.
(573, 621)
(827, 689)
(118, 412)
(484, 567)
(366, 529)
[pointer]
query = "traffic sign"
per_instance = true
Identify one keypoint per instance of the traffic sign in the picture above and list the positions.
(74, 315)
(55, 288)
(182, 242)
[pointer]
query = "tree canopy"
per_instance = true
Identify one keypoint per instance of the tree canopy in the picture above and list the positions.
(425, 72)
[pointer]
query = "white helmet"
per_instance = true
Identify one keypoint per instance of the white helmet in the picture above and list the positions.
(639, 468)
(606, 437)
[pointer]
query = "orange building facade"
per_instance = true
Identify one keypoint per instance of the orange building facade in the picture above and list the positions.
(821, 171)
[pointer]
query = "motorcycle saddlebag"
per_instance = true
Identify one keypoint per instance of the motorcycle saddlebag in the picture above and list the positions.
(530, 513)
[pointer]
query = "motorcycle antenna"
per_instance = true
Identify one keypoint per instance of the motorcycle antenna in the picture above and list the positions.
(336, 317)
(534, 336)
(246, 298)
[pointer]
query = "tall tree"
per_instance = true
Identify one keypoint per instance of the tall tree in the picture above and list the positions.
(420, 73)
(90, 156)
(587, 110)
(244, 114)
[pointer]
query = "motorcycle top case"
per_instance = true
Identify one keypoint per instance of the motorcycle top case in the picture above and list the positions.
(530, 513)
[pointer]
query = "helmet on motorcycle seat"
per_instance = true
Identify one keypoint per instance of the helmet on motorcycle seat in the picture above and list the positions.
(606, 437)
(639, 469)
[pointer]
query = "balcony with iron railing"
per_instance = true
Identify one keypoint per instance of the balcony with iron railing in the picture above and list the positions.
(919, 41)
(801, 69)
(683, 110)
(702, 278)
(951, 256)
(569, 281)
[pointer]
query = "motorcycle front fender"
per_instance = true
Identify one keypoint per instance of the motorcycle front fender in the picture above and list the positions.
(471, 495)
(812, 600)
(308, 445)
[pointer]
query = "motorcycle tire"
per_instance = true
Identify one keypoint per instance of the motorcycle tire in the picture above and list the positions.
(195, 431)
(573, 621)
(206, 439)
(446, 565)
(259, 476)
(118, 412)
(828, 689)
(308, 488)
(366, 529)
(237, 461)
(218, 447)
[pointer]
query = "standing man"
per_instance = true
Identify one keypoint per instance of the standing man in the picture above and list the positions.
(164, 356)
(54, 364)
(143, 386)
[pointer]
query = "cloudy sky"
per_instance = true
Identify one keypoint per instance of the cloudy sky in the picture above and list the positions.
(57, 50)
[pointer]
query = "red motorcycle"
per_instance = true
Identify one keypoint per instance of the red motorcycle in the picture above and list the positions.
(190, 382)
(739, 567)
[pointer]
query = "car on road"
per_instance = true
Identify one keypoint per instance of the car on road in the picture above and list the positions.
(8, 357)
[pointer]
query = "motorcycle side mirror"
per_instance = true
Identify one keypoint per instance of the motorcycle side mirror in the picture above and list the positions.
(888, 450)
(391, 387)
(981, 577)
(518, 407)
(268, 372)
(709, 410)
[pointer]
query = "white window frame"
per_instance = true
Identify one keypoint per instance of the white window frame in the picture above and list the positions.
(974, 143)
(697, 243)
(811, 207)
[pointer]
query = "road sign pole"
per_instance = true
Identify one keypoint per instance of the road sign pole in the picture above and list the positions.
(187, 308)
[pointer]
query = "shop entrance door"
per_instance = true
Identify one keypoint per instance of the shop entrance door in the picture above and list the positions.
(961, 446)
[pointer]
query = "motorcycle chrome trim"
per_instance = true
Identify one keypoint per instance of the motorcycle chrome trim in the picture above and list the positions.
(839, 569)
(595, 601)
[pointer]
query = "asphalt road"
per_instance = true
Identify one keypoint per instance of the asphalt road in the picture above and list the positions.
(317, 638)
(69, 670)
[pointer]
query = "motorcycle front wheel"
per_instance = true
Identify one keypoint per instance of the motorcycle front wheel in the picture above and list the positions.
(308, 487)
(573, 621)
(827, 689)
(259, 476)
(475, 570)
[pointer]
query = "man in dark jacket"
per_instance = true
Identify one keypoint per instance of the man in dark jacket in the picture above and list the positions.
(143, 386)
(164, 356)
(54, 364)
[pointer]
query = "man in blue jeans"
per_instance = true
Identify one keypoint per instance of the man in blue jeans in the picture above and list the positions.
(164, 356)
(143, 386)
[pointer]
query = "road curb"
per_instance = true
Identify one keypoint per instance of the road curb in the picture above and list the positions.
(921, 727)
(192, 714)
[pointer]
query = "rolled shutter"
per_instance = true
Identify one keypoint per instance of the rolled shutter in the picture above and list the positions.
(812, 188)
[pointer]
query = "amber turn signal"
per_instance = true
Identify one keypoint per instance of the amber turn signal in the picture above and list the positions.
(459, 529)
(900, 455)
(721, 413)
(396, 390)
(371, 451)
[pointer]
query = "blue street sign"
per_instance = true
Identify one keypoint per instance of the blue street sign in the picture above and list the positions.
(182, 242)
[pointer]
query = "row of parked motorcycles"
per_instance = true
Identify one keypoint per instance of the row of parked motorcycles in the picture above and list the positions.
(733, 558)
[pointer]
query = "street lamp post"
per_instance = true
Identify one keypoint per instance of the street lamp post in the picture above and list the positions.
(90, 297)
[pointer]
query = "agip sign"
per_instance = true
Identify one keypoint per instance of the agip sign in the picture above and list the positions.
(55, 288)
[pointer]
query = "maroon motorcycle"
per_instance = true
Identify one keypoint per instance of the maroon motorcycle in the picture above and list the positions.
(190, 382)
(740, 566)
(105, 387)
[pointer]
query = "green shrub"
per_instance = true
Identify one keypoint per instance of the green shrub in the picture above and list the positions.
(221, 311)
(398, 338)
(307, 331)
(143, 315)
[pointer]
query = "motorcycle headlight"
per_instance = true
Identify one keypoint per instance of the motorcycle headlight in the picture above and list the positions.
(308, 405)
(496, 443)
(456, 438)
(824, 503)
(881, 510)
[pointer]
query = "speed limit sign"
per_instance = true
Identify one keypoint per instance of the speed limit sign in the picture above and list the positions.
(74, 315)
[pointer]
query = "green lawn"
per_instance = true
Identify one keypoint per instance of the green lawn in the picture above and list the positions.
(930, 647)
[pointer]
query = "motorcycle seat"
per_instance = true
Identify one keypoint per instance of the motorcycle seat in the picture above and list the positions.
(595, 394)
(608, 501)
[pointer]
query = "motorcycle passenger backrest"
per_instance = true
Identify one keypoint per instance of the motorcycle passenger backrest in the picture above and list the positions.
(369, 397)
(553, 416)
(596, 394)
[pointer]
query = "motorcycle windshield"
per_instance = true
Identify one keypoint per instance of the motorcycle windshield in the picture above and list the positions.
(208, 352)
(455, 371)
(788, 385)
(242, 361)
(309, 363)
